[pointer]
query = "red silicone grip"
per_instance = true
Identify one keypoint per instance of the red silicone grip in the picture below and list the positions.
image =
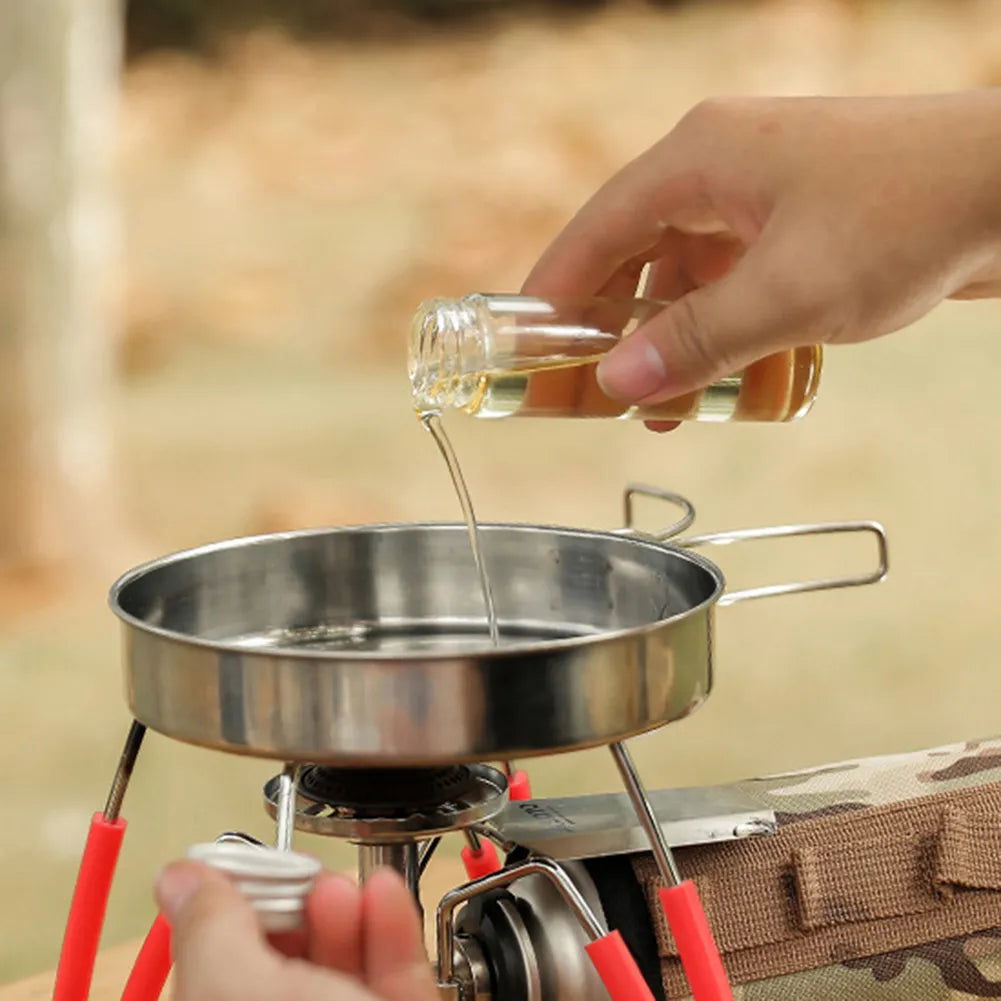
(481, 863)
(152, 966)
(696, 946)
(518, 786)
(86, 916)
(618, 970)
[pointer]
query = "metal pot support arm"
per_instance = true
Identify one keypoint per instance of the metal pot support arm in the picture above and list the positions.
(679, 899)
(93, 886)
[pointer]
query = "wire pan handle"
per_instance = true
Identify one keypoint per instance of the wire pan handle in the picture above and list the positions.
(673, 532)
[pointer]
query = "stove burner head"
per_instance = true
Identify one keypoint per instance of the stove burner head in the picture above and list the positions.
(373, 805)
(383, 792)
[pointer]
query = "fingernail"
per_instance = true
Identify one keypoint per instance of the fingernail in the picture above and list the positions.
(174, 886)
(632, 370)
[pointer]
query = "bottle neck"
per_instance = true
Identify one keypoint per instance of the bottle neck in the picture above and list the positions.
(455, 344)
(447, 355)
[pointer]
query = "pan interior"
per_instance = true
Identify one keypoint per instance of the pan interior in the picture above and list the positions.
(412, 590)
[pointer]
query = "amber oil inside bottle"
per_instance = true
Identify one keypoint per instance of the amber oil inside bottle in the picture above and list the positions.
(520, 356)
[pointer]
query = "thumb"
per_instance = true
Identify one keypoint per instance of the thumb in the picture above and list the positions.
(219, 949)
(709, 333)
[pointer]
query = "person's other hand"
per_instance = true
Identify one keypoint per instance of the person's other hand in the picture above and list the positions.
(356, 945)
(778, 223)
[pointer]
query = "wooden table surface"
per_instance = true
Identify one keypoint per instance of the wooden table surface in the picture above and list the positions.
(114, 964)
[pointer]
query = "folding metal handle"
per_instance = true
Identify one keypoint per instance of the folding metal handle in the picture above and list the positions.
(661, 534)
(788, 531)
(673, 531)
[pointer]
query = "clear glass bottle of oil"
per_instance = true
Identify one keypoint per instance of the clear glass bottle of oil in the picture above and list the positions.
(522, 356)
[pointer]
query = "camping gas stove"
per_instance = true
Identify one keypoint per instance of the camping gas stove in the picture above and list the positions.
(359, 658)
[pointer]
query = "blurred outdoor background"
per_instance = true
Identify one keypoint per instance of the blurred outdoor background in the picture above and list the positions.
(214, 226)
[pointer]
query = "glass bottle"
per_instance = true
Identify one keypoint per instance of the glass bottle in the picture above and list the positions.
(522, 356)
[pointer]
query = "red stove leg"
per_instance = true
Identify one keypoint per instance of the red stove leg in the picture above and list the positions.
(479, 857)
(93, 884)
(152, 965)
(518, 786)
(679, 900)
(87, 910)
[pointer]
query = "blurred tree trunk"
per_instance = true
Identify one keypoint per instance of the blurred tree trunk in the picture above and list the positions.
(59, 76)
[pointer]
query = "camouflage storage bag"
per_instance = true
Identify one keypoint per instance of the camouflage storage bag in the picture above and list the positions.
(883, 883)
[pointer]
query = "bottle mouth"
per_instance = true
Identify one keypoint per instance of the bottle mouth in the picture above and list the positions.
(428, 358)
(435, 361)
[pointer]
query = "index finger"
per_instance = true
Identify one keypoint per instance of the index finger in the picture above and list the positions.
(624, 222)
(334, 909)
(396, 967)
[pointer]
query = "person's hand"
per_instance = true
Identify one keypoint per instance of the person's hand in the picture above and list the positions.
(778, 223)
(357, 945)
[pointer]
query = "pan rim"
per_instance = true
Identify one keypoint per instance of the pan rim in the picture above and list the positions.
(119, 590)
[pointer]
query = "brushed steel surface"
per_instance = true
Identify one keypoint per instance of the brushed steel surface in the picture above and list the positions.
(580, 827)
(557, 938)
(368, 646)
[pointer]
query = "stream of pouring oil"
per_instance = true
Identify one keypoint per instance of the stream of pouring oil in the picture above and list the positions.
(432, 422)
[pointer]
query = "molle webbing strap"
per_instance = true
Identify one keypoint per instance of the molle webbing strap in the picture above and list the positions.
(843, 886)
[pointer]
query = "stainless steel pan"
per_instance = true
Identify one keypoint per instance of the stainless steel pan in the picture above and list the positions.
(368, 646)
